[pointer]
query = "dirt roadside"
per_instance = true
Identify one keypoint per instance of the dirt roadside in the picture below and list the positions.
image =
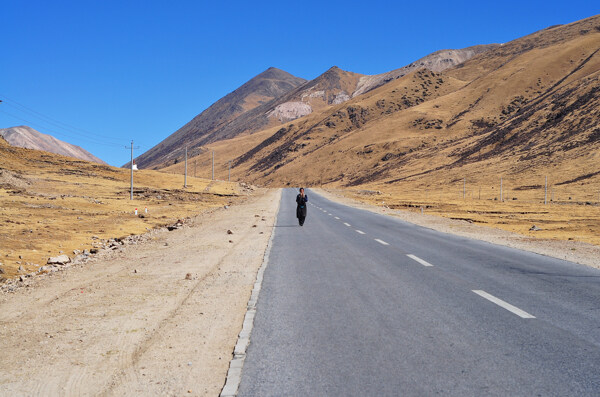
(129, 322)
(574, 251)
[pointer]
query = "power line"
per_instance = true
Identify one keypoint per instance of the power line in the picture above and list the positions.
(60, 124)
(79, 132)
(54, 132)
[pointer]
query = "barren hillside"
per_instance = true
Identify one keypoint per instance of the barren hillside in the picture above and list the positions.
(491, 128)
(528, 105)
(209, 125)
(436, 62)
(27, 137)
(333, 87)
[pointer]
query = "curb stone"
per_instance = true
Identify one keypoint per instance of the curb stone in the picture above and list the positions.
(234, 374)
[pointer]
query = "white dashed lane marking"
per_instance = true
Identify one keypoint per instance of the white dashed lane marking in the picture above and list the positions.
(337, 217)
(483, 294)
(421, 261)
(503, 304)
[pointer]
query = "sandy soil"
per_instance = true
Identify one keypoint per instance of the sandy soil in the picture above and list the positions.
(129, 322)
(574, 251)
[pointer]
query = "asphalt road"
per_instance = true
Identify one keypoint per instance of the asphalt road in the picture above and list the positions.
(359, 304)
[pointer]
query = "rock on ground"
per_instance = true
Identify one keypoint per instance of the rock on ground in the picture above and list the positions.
(104, 329)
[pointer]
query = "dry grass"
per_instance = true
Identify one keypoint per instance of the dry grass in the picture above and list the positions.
(51, 204)
(573, 214)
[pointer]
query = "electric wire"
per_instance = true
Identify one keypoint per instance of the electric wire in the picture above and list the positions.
(48, 119)
(62, 134)
(71, 131)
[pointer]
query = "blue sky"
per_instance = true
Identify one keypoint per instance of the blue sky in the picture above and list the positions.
(101, 73)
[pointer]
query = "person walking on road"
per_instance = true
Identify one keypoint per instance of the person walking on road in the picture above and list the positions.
(301, 200)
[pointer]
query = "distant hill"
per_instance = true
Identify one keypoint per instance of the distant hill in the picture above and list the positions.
(275, 97)
(524, 109)
(27, 137)
(208, 125)
(331, 88)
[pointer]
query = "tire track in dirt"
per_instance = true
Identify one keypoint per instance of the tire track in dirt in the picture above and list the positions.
(98, 329)
(129, 360)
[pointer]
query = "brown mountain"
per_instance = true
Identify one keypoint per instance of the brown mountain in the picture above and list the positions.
(333, 87)
(209, 125)
(527, 108)
(436, 62)
(28, 138)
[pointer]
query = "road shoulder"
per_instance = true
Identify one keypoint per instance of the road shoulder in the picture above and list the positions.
(574, 251)
(157, 318)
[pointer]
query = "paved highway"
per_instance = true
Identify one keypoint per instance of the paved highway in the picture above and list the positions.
(359, 304)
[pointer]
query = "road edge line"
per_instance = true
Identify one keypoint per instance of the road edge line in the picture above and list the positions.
(234, 373)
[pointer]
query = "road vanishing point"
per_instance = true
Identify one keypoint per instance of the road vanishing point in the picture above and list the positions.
(361, 304)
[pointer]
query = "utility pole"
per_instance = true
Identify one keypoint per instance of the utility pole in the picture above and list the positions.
(500, 189)
(464, 187)
(229, 174)
(213, 165)
(185, 172)
(546, 191)
(131, 189)
(195, 164)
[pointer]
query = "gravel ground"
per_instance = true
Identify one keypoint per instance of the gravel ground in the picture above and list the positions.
(159, 316)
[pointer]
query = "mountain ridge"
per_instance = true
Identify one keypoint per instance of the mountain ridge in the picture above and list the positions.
(437, 61)
(204, 127)
(29, 138)
(522, 109)
(331, 88)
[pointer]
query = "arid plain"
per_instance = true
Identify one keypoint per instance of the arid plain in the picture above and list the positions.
(51, 204)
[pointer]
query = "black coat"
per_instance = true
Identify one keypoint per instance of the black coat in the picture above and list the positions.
(301, 207)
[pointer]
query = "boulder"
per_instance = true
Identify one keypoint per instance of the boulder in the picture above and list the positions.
(59, 260)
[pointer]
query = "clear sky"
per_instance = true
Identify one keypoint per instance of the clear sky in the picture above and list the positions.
(101, 73)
